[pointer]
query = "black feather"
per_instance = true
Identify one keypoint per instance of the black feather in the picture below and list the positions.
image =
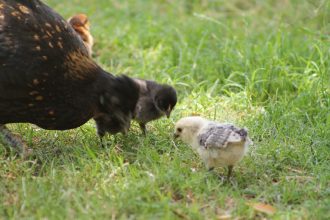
(120, 99)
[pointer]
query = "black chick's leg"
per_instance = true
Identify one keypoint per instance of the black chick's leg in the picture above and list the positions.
(230, 171)
(100, 132)
(15, 141)
(143, 128)
(101, 141)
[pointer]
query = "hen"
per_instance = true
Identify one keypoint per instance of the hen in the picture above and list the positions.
(47, 77)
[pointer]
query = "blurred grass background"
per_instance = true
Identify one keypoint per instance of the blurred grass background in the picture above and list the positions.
(260, 64)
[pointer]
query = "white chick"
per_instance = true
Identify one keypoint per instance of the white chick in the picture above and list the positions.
(217, 144)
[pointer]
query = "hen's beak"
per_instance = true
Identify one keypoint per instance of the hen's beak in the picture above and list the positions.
(168, 112)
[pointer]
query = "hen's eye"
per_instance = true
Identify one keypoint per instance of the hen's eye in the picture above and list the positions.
(179, 129)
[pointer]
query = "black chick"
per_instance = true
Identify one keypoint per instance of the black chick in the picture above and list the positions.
(47, 77)
(156, 100)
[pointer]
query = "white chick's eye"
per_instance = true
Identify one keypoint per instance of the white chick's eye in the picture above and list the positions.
(179, 130)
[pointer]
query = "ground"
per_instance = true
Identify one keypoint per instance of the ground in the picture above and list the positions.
(260, 64)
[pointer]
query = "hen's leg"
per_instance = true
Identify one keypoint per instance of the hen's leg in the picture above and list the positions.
(14, 140)
(102, 143)
(143, 128)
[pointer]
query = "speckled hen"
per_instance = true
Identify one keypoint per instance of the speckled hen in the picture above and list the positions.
(47, 77)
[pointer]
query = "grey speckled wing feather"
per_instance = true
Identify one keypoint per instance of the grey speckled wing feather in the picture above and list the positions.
(218, 136)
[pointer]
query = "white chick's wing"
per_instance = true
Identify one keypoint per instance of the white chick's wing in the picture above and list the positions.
(218, 136)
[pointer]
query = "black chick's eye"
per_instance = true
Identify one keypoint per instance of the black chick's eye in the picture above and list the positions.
(179, 130)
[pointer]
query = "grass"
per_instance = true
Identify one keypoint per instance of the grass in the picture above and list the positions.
(260, 64)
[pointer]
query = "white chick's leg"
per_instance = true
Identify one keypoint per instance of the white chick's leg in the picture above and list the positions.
(230, 171)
